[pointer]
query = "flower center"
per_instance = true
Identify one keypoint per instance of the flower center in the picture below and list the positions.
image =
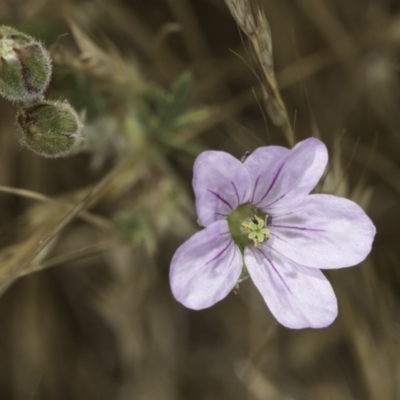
(256, 230)
(248, 226)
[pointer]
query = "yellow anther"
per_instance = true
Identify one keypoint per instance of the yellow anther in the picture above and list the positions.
(256, 231)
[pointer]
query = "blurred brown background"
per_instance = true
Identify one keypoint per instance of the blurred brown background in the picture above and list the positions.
(102, 323)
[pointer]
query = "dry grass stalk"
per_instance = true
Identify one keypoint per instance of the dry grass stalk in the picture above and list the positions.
(252, 21)
(67, 218)
(96, 220)
(108, 65)
(42, 218)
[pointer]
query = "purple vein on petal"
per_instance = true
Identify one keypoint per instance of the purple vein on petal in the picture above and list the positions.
(220, 198)
(255, 187)
(220, 253)
(236, 192)
(285, 214)
(224, 233)
(221, 214)
(279, 198)
(278, 237)
(298, 228)
(233, 256)
(230, 263)
(276, 271)
(271, 185)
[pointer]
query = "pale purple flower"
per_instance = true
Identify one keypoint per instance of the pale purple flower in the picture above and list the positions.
(259, 217)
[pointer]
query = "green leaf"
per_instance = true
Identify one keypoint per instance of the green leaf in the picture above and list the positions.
(191, 118)
(171, 105)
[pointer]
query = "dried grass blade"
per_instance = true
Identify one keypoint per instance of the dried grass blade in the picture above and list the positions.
(96, 220)
(86, 251)
(96, 191)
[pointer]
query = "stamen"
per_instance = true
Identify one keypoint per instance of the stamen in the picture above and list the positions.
(256, 230)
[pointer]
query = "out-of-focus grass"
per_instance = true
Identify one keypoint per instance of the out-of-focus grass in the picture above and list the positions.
(99, 321)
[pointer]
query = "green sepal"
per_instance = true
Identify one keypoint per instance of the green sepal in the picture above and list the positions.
(25, 66)
(51, 129)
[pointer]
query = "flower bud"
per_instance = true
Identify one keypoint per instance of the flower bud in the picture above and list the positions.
(51, 129)
(25, 66)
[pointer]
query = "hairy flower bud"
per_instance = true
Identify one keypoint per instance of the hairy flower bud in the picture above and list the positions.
(51, 129)
(25, 66)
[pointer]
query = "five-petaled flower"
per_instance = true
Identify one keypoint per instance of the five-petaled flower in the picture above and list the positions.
(260, 220)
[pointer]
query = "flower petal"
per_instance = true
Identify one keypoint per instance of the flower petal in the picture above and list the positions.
(298, 297)
(282, 178)
(262, 165)
(206, 267)
(324, 231)
(221, 183)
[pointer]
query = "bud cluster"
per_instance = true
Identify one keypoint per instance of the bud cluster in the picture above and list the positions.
(49, 128)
